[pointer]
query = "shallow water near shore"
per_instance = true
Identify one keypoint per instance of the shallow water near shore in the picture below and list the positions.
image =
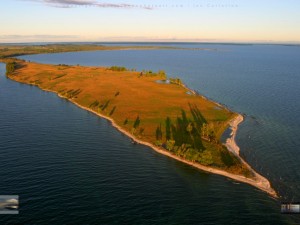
(66, 162)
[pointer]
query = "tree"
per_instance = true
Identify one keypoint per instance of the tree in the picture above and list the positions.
(170, 145)
(105, 105)
(168, 128)
(176, 81)
(162, 74)
(206, 158)
(112, 111)
(136, 122)
(185, 131)
(189, 129)
(158, 133)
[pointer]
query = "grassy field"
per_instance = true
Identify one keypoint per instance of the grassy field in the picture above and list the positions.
(166, 115)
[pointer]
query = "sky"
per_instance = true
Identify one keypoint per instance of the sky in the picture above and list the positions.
(263, 21)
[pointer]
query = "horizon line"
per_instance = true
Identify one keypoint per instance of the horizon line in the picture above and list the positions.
(158, 41)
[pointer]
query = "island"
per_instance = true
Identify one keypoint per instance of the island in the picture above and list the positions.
(150, 107)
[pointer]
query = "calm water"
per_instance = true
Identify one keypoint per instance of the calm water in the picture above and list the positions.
(70, 167)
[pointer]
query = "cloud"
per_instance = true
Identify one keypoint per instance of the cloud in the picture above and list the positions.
(15, 38)
(86, 3)
(37, 36)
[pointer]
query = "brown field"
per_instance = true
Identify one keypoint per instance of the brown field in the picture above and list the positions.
(138, 96)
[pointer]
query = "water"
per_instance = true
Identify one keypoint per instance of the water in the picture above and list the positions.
(70, 167)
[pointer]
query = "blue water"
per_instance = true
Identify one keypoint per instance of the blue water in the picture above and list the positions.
(70, 167)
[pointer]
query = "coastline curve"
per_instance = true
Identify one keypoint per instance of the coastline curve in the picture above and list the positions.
(259, 181)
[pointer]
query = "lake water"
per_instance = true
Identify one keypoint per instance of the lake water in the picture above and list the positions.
(71, 167)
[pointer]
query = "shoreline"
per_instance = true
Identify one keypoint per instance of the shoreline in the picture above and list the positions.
(260, 182)
(257, 181)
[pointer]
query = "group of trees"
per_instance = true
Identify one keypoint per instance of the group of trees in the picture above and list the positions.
(136, 129)
(184, 131)
(10, 67)
(175, 81)
(118, 68)
(97, 104)
(183, 137)
(72, 93)
(94, 104)
(65, 65)
(149, 73)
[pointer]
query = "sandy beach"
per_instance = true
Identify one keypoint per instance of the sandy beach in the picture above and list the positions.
(259, 181)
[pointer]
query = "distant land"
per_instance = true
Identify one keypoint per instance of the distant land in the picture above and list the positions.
(12, 50)
(148, 106)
